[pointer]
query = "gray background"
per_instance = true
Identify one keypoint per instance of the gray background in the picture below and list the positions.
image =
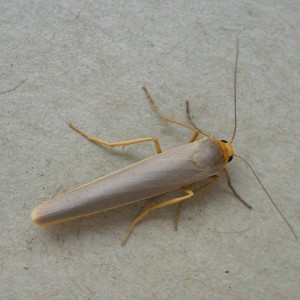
(85, 62)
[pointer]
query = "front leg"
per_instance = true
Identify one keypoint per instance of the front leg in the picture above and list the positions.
(235, 192)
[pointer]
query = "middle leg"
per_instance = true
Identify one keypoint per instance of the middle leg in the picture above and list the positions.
(179, 205)
(153, 207)
(167, 119)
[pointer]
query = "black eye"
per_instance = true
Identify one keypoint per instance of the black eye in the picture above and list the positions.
(230, 158)
(224, 141)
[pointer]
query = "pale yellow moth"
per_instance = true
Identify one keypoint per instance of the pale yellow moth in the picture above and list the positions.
(199, 161)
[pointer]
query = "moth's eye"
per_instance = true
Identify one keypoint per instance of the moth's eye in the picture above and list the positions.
(230, 158)
(224, 141)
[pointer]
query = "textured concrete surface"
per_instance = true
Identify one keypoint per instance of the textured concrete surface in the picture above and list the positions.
(86, 62)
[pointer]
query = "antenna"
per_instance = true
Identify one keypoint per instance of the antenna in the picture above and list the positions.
(235, 88)
(269, 196)
(235, 85)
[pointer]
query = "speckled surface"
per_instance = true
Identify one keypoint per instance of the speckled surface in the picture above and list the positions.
(85, 62)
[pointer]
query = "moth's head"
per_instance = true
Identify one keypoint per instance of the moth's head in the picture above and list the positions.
(227, 150)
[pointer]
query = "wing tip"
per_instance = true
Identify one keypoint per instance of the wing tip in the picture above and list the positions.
(36, 217)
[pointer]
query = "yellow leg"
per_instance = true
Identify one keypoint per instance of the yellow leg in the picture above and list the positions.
(153, 207)
(179, 205)
(187, 109)
(167, 119)
(178, 210)
(117, 144)
(234, 191)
